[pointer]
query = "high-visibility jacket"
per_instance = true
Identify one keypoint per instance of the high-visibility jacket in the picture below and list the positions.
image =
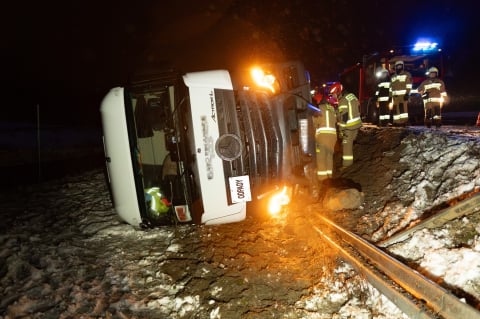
(158, 204)
(401, 84)
(349, 123)
(327, 121)
(383, 91)
(349, 112)
(382, 95)
(436, 91)
(325, 139)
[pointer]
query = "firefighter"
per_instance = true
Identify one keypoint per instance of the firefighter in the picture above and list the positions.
(325, 123)
(400, 86)
(382, 97)
(434, 96)
(349, 121)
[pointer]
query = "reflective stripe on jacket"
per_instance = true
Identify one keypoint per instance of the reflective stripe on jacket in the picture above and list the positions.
(435, 88)
(383, 91)
(325, 123)
(401, 84)
(349, 111)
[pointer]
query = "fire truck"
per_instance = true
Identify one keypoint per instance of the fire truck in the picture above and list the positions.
(197, 147)
(361, 77)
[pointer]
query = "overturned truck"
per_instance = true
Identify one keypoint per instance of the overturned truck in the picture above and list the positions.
(197, 147)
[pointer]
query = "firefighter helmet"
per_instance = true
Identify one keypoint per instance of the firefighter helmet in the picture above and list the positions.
(399, 66)
(336, 88)
(432, 70)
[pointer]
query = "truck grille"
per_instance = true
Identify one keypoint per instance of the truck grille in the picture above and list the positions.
(262, 137)
(254, 121)
(228, 124)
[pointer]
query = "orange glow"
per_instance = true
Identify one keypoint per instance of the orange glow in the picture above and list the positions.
(263, 80)
(277, 201)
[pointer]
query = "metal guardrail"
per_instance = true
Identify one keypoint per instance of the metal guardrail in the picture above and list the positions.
(465, 207)
(439, 300)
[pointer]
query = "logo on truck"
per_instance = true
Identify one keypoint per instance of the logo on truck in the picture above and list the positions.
(208, 146)
(229, 147)
(212, 107)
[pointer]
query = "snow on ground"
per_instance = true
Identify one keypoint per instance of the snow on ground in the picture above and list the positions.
(64, 253)
(439, 257)
(437, 168)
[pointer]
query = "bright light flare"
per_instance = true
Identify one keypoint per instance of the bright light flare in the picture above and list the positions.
(263, 80)
(425, 45)
(278, 201)
(381, 71)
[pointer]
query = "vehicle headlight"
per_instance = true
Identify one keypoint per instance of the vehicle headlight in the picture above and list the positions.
(263, 79)
(278, 200)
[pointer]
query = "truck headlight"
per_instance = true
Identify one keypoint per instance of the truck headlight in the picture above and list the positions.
(263, 79)
(278, 200)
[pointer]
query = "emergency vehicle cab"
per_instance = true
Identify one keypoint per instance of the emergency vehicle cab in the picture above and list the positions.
(197, 147)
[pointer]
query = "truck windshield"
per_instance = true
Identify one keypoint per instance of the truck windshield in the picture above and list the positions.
(163, 150)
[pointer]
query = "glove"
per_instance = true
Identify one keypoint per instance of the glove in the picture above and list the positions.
(425, 95)
(405, 97)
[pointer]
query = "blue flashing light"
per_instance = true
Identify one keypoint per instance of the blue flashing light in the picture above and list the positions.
(313, 107)
(425, 46)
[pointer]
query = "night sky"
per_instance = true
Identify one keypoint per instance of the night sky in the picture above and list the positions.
(65, 56)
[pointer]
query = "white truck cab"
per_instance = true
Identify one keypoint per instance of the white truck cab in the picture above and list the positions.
(197, 147)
